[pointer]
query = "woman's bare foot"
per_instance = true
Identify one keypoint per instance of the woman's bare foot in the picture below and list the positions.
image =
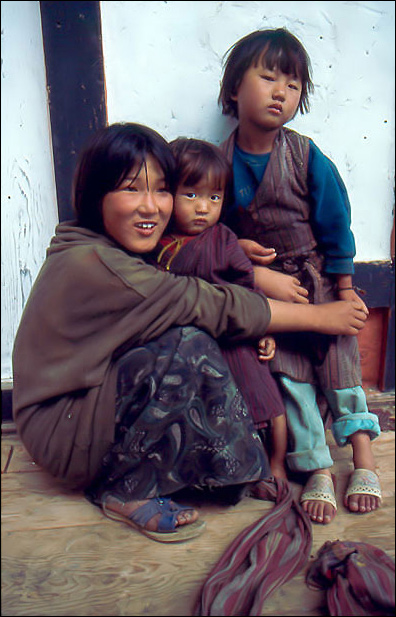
(317, 487)
(126, 509)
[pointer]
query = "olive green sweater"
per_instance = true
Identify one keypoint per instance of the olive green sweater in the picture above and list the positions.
(91, 302)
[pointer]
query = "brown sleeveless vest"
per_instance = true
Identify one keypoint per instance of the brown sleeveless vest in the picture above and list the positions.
(279, 215)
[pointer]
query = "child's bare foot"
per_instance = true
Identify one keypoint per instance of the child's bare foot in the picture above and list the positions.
(360, 502)
(364, 491)
(341, 317)
(318, 498)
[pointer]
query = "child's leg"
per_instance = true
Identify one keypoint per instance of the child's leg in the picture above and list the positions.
(308, 451)
(353, 423)
(278, 446)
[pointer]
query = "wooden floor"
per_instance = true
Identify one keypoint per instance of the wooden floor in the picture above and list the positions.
(61, 556)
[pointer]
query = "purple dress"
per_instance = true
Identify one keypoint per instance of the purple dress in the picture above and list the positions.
(216, 256)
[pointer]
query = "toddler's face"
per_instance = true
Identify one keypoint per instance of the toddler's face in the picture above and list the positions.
(197, 207)
(267, 97)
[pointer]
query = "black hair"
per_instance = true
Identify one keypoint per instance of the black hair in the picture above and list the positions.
(196, 159)
(277, 48)
(105, 162)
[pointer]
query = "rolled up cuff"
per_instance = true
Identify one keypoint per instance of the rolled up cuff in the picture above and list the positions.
(343, 428)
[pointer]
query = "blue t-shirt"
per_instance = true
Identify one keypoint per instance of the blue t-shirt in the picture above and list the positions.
(330, 207)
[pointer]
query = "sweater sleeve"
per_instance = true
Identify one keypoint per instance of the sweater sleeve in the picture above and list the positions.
(94, 303)
(160, 300)
(331, 213)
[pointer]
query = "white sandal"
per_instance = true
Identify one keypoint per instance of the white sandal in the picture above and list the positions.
(319, 487)
(363, 482)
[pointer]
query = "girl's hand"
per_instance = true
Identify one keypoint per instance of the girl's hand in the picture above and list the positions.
(257, 253)
(266, 348)
(280, 286)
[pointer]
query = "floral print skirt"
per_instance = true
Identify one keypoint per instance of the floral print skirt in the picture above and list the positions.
(180, 422)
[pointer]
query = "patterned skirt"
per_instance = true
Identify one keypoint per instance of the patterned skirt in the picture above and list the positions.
(180, 422)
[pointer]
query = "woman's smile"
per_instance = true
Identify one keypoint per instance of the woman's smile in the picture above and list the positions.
(136, 213)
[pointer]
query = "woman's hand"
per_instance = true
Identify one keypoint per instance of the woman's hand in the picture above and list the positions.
(280, 286)
(350, 294)
(257, 253)
(266, 348)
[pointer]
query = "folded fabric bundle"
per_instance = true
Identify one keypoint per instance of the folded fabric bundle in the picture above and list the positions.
(359, 579)
(261, 558)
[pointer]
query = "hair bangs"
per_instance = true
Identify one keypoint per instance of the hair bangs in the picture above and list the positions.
(107, 159)
(197, 161)
(285, 59)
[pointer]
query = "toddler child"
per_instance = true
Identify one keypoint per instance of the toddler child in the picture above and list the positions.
(289, 196)
(199, 245)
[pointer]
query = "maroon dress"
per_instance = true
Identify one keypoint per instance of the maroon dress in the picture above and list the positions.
(216, 256)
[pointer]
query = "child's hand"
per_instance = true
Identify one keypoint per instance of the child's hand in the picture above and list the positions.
(280, 286)
(266, 348)
(257, 253)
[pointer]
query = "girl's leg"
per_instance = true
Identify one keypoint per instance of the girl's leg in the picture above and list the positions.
(308, 451)
(353, 423)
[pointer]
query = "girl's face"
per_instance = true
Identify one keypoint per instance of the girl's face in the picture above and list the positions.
(267, 98)
(135, 214)
(197, 207)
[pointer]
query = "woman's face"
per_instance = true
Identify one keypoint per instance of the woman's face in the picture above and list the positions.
(136, 213)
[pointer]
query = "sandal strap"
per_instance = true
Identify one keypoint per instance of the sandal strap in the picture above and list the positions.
(319, 488)
(364, 482)
(168, 509)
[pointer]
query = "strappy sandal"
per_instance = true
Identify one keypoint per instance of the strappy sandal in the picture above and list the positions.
(320, 487)
(363, 482)
(167, 529)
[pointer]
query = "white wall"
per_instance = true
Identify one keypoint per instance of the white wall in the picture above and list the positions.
(163, 68)
(28, 197)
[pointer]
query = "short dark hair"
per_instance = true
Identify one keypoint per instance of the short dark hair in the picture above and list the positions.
(280, 49)
(196, 159)
(105, 162)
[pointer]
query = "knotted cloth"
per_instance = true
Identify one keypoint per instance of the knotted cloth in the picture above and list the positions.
(359, 579)
(261, 558)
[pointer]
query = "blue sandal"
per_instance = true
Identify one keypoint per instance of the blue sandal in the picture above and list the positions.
(167, 529)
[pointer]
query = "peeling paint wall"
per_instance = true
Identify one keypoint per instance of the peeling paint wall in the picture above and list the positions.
(28, 197)
(163, 68)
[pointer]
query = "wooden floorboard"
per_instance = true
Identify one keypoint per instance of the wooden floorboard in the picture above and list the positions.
(61, 556)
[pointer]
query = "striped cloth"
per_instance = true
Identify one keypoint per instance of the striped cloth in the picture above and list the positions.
(359, 579)
(260, 559)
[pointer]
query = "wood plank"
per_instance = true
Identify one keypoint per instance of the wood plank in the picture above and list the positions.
(61, 556)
